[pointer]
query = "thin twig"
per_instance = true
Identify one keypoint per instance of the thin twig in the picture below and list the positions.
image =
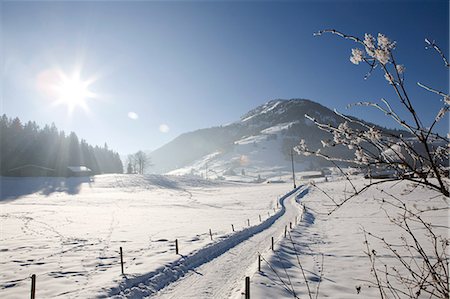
(436, 47)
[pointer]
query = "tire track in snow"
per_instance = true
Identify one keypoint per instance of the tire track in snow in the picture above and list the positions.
(215, 271)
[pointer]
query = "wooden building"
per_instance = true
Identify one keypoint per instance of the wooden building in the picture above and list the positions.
(31, 170)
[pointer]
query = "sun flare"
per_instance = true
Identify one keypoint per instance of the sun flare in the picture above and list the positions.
(73, 91)
(69, 90)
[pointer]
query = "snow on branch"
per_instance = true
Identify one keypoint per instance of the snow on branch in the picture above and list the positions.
(436, 47)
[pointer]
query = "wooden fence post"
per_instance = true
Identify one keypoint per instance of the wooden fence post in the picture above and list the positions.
(259, 262)
(232, 227)
(210, 234)
(121, 260)
(272, 243)
(248, 220)
(247, 287)
(285, 231)
(33, 286)
(176, 246)
(290, 225)
(260, 218)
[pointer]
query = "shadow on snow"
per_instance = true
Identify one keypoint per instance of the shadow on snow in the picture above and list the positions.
(14, 187)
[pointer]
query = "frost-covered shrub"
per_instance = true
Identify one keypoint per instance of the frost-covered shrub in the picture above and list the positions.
(420, 158)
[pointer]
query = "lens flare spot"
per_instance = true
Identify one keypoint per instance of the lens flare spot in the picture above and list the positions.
(243, 160)
(133, 115)
(163, 128)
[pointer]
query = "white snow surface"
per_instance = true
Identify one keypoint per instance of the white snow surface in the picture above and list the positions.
(216, 270)
(68, 231)
(279, 128)
(251, 139)
(269, 106)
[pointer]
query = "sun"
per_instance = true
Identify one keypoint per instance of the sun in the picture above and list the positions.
(66, 89)
(73, 91)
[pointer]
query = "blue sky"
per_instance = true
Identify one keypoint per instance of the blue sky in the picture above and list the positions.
(190, 65)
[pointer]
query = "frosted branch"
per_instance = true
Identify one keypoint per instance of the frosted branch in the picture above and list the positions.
(437, 49)
(432, 90)
(333, 31)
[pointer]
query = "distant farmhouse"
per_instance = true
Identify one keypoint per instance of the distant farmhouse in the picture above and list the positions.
(31, 170)
(78, 171)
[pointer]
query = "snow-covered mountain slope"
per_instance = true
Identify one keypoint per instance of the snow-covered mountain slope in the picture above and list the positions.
(255, 157)
(256, 147)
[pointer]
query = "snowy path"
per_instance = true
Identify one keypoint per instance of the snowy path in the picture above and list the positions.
(223, 277)
(217, 271)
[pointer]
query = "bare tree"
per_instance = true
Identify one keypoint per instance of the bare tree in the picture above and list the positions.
(420, 156)
(131, 164)
(142, 161)
(138, 162)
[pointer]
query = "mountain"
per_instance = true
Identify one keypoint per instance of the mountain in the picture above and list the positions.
(258, 145)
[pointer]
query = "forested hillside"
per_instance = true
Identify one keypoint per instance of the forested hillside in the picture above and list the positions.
(24, 144)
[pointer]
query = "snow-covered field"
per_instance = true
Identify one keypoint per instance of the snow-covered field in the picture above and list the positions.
(345, 270)
(68, 231)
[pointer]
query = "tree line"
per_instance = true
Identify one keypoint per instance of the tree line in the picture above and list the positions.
(25, 144)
